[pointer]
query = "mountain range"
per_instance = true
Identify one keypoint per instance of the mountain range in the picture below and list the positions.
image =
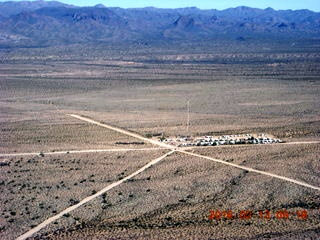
(44, 23)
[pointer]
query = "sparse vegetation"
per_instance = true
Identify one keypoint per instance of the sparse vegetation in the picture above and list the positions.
(36, 205)
(232, 87)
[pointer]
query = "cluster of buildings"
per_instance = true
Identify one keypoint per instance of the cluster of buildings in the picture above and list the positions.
(186, 141)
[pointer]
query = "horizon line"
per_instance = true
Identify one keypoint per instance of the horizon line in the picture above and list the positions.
(173, 8)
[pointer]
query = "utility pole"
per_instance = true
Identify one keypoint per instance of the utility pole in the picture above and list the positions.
(188, 120)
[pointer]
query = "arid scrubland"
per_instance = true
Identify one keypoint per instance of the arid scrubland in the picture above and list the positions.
(254, 87)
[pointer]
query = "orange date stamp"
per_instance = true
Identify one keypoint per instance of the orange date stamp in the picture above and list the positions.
(261, 214)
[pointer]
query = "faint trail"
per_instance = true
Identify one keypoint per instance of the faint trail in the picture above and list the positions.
(252, 170)
(79, 151)
(155, 142)
(88, 199)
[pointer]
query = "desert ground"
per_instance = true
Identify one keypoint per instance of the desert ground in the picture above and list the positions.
(51, 161)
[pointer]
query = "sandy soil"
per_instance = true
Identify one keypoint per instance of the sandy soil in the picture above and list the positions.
(35, 188)
(173, 200)
(145, 90)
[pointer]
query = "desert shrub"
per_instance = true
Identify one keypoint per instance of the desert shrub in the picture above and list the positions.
(148, 135)
(73, 201)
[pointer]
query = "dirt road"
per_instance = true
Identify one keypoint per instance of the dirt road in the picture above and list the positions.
(253, 170)
(169, 147)
(78, 151)
(198, 155)
(119, 130)
(68, 210)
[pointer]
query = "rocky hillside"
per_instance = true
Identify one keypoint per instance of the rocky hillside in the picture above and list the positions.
(51, 23)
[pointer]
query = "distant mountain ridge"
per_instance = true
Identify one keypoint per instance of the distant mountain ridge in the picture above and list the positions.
(11, 8)
(48, 23)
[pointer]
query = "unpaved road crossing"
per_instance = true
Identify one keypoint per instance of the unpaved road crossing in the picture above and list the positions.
(163, 145)
(198, 155)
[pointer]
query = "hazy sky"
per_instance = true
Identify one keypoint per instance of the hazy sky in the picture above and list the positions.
(203, 4)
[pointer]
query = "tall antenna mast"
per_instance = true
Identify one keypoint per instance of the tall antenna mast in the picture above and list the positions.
(188, 120)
